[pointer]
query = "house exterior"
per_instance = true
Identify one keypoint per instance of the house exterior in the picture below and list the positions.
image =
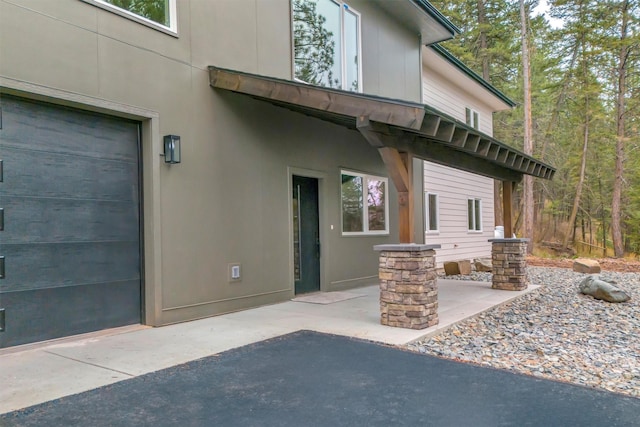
(458, 205)
(176, 159)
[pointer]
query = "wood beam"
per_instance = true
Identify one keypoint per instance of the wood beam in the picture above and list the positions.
(399, 113)
(400, 169)
(371, 131)
(396, 167)
(406, 225)
(507, 206)
(437, 152)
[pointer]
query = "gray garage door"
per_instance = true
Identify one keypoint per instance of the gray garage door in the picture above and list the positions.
(71, 235)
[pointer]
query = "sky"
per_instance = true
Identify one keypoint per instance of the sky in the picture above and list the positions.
(542, 9)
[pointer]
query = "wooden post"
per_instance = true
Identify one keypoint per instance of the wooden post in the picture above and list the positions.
(405, 202)
(400, 168)
(507, 190)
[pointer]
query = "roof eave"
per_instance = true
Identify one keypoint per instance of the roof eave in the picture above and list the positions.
(406, 126)
(438, 16)
(472, 74)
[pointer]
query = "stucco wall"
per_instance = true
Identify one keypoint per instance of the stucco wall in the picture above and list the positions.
(228, 201)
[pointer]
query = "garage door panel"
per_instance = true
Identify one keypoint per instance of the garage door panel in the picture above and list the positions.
(62, 130)
(43, 174)
(37, 266)
(71, 239)
(44, 220)
(43, 314)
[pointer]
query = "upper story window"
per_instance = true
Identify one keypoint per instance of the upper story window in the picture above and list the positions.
(326, 38)
(472, 118)
(365, 206)
(160, 14)
(474, 214)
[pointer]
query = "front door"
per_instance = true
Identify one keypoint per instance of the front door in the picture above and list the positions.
(306, 235)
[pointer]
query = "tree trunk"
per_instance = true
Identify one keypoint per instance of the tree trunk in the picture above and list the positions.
(583, 167)
(553, 122)
(616, 210)
(528, 128)
(486, 74)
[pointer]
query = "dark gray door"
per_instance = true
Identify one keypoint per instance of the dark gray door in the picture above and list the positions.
(71, 238)
(306, 235)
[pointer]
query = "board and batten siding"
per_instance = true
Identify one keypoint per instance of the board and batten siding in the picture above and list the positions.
(454, 187)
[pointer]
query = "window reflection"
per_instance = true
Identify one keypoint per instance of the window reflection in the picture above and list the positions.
(325, 32)
(352, 203)
(154, 10)
(359, 216)
(376, 202)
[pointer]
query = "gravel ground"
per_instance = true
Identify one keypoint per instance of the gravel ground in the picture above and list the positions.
(554, 332)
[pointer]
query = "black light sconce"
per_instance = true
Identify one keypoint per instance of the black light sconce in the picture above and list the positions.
(172, 149)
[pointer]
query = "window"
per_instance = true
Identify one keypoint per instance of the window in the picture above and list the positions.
(474, 214)
(431, 215)
(472, 118)
(326, 38)
(364, 204)
(155, 13)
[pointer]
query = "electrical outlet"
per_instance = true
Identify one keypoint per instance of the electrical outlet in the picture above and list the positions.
(235, 272)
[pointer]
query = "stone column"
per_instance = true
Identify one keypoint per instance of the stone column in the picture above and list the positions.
(408, 288)
(508, 258)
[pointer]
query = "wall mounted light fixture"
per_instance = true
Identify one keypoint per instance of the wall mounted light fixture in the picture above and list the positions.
(172, 149)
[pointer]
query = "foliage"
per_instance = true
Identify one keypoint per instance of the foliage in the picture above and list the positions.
(574, 88)
(314, 45)
(155, 10)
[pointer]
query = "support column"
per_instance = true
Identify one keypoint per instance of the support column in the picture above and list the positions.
(508, 258)
(507, 207)
(408, 286)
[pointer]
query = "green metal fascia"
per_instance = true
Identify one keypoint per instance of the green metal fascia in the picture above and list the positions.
(469, 72)
(438, 16)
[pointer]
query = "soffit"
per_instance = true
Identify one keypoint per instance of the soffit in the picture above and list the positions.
(415, 128)
(421, 17)
(472, 85)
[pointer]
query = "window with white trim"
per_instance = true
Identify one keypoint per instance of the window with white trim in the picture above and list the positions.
(364, 203)
(472, 118)
(431, 213)
(326, 39)
(474, 214)
(155, 13)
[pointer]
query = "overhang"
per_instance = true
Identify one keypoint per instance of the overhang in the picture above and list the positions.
(421, 17)
(413, 128)
(446, 55)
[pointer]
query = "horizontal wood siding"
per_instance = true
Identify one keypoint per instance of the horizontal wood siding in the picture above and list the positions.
(454, 188)
(444, 95)
(444, 89)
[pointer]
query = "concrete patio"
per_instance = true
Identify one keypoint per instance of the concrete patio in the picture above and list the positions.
(38, 373)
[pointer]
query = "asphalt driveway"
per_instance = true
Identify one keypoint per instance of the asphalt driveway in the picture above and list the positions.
(313, 379)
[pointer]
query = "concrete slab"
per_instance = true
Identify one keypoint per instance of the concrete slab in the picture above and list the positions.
(38, 373)
(39, 376)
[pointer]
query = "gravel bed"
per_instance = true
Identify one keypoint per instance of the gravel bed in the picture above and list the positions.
(553, 332)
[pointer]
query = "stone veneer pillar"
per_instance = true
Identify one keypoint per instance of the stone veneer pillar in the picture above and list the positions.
(408, 287)
(508, 258)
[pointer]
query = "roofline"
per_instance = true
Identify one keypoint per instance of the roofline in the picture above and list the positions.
(469, 72)
(407, 126)
(438, 16)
